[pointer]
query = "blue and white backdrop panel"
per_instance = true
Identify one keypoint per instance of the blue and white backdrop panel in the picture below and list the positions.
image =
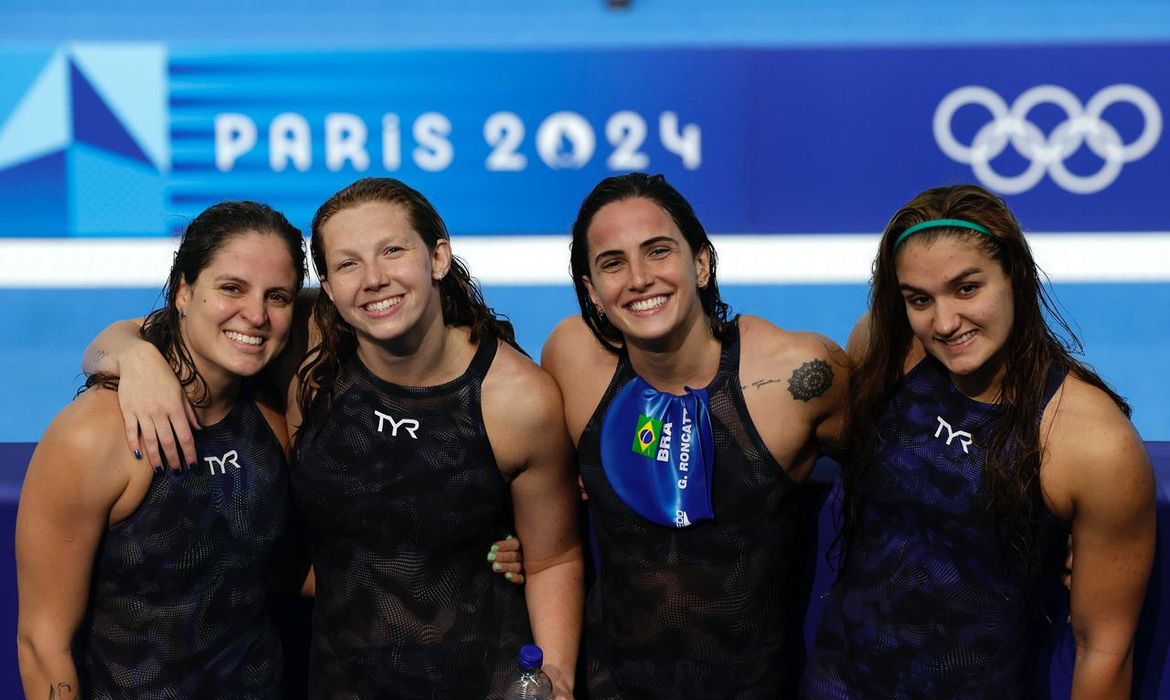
(794, 158)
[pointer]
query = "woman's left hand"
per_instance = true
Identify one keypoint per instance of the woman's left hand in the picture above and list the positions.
(506, 558)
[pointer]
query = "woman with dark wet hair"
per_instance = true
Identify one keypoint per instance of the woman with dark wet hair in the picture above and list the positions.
(693, 431)
(135, 583)
(976, 443)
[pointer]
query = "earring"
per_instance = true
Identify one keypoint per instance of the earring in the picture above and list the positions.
(182, 314)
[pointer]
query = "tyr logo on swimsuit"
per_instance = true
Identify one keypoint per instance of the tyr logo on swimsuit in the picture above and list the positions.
(964, 437)
(408, 424)
(222, 462)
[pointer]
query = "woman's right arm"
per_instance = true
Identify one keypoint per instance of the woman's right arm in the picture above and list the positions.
(155, 411)
(65, 504)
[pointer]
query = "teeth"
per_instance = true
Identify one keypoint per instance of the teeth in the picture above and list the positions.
(241, 338)
(382, 305)
(961, 339)
(647, 304)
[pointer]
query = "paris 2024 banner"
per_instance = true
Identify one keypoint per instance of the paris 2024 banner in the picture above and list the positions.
(133, 139)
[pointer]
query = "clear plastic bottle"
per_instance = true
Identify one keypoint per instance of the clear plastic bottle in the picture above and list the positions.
(530, 683)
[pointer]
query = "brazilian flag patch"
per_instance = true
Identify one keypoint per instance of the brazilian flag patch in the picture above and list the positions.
(646, 435)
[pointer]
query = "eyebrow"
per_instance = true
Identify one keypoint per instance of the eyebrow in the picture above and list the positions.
(644, 244)
(383, 241)
(949, 283)
(246, 283)
(227, 277)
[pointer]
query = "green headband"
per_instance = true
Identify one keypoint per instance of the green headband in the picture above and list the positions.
(941, 223)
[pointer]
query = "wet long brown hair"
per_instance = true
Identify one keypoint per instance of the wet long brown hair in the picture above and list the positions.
(1011, 472)
(460, 296)
(202, 240)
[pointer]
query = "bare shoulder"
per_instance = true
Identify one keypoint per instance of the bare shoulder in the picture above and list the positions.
(83, 452)
(1086, 420)
(582, 368)
(794, 389)
(570, 346)
(757, 334)
(1090, 448)
(767, 349)
(90, 425)
(522, 410)
(514, 379)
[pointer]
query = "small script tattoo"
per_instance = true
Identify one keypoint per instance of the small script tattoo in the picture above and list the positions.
(810, 380)
(759, 383)
(61, 691)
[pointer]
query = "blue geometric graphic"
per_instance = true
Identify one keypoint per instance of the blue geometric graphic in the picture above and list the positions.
(84, 150)
(98, 126)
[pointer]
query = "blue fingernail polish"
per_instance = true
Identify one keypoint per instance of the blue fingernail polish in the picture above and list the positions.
(158, 469)
(137, 454)
(191, 466)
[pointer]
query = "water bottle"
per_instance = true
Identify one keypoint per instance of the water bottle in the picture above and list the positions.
(530, 683)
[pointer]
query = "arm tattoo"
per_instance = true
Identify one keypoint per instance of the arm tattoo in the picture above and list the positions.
(810, 380)
(760, 383)
(61, 691)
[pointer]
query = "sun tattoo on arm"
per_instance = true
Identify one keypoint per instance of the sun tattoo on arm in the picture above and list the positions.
(810, 380)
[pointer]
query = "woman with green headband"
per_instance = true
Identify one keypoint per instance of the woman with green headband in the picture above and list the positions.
(977, 444)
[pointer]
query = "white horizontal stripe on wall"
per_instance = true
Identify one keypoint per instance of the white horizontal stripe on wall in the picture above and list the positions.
(78, 263)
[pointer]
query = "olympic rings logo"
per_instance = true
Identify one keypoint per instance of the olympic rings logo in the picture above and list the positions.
(1047, 153)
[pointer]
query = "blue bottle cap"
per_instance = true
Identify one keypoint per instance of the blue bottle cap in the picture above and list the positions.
(531, 657)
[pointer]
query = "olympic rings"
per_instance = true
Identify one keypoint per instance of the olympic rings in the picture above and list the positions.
(1047, 154)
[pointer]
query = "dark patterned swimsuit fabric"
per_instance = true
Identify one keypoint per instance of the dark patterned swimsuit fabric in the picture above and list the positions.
(713, 610)
(929, 604)
(177, 604)
(401, 498)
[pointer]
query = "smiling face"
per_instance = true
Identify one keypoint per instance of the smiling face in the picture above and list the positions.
(958, 301)
(642, 273)
(235, 316)
(380, 274)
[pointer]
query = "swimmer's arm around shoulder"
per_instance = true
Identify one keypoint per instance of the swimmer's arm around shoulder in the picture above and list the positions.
(156, 414)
